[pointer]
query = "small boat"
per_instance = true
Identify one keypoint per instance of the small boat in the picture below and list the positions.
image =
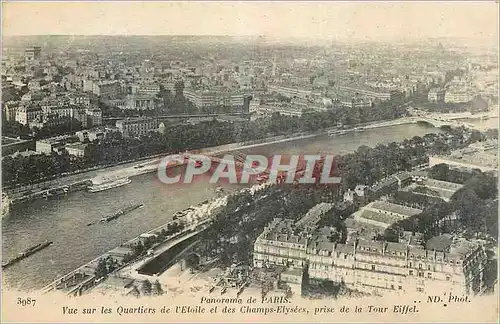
(139, 166)
(119, 213)
(27, 253)
(108, 184)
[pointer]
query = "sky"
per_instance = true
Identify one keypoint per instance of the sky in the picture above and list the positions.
(315, 20)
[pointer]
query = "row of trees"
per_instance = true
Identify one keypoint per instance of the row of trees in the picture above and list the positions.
(243, 219)
(238, 224)
(105, 266)
(151, 289)
(141, 247)
(180, 137)
(369, 165)
(64, 125)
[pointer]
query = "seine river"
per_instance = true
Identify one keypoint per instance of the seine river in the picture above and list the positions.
(64, 221)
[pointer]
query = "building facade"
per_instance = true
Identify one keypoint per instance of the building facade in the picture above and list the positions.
(141, 102)
(208, 99)
(436, 95)
(373, 266)
(107, 89)
(385, 266)
(133, 127)
(27, 114)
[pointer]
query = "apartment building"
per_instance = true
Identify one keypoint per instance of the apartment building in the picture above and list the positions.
(52, 144)
(141, 102)
(436, 95)
(108, 89)
(377, 267)
(457, 96)
(92, 134)
(206, 99)
(451, 265)
(145, 89)
(281, 243)
(79, 99)
(27, 114)
(290, 92)
(133, 127)
(94, 117)
(382, 95)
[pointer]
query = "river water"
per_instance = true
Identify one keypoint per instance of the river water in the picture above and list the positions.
(64, 221)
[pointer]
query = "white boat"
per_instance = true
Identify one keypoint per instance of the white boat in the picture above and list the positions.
(337, 132)
(106, 184)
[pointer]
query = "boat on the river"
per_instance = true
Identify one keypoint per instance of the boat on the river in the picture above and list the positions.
(337, 132)
(26, 253)
(106, 184)
(120, 213)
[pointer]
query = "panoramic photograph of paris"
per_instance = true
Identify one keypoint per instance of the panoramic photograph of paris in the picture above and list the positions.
(187, 160)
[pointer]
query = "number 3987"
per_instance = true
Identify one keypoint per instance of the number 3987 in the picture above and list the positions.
(26, 301)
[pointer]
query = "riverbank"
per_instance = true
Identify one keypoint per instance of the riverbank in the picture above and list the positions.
(65, 219)
(196, 220)
(128, 168)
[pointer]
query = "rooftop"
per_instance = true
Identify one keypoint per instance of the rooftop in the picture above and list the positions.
(439, 243)
(378, 217)
(314, 214)
(393, 208)
(283, 230)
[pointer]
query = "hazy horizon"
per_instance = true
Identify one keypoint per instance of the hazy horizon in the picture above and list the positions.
(316, 21)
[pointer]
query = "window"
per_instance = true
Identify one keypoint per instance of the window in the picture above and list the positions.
(419, 289)
(420, 273)
(411, 264)
(373, 267)
(428, 267)
(411, 272)
(400, 287)
(420, 265)
(392, 286)
(448, 278)
(429, 275)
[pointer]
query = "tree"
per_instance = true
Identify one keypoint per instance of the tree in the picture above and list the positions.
(157, 290)
(146, 287)
(192, 261)
(101, 269)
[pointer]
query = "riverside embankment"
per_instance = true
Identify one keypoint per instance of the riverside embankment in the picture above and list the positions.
(64, 220)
